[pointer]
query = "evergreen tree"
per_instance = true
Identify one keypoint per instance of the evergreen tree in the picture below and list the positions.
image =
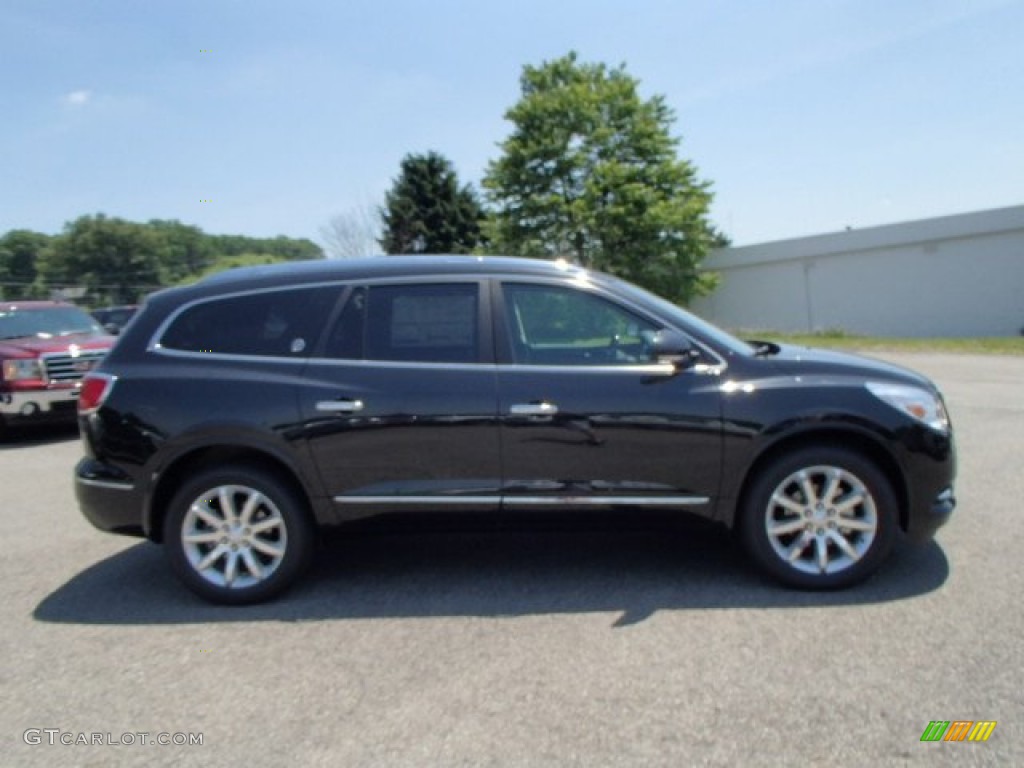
(427, 211)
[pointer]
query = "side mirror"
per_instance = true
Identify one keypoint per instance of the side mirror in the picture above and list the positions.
(668, 346)
(112, 328)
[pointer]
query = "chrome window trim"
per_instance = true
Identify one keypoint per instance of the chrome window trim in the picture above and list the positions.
(650, 369)
(420, 279)
(576, 281)
(664, 369)
(399, 364)
(158, 350)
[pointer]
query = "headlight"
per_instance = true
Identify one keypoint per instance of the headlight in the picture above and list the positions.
(23, 368)
(919, 403)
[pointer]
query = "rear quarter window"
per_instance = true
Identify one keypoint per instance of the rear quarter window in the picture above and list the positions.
(284, 323)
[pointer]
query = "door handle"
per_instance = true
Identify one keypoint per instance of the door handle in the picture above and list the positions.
(533, 409)
(343, 405)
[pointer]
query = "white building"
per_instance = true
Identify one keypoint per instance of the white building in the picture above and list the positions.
(952, 276)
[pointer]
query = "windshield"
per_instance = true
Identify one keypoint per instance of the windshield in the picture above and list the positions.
(45, 323)
(686, 320)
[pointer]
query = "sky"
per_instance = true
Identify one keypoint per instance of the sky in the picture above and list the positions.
(264, 118)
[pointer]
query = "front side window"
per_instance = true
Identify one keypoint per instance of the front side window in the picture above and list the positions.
(284, 323)
(434, 323)
(555, 325)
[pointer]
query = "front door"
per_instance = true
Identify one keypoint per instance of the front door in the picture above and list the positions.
(587, 418)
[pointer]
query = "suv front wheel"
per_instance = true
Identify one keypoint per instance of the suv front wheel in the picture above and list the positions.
(237, 535)
(819, 518)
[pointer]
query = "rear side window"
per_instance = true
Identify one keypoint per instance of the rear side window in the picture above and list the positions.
(284, 323)
(436, 323)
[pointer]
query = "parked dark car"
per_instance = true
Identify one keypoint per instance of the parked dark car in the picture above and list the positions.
(237, 415)
(114, 319)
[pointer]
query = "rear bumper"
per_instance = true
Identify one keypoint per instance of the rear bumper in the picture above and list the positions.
(108, 500)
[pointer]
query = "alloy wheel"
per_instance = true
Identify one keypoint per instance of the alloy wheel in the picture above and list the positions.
(234, 536)
(821, 520)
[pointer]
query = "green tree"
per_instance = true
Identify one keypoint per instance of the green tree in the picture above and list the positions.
(287, 248)
(116, 261)
(20, 250)
(291, 248)
(184, 249)
(230, 262)
(591, 173)
(427, 211)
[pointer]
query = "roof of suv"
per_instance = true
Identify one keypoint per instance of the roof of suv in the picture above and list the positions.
(328, 270)
(388, 266)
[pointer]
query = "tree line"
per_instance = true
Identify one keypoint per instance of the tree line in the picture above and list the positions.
(99, 260)
(590, 173)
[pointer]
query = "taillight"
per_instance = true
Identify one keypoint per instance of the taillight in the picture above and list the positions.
(96, 388)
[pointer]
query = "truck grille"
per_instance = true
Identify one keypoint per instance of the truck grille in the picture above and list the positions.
(65, 367)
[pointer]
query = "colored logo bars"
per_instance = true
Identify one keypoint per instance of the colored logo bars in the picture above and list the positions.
(958, 730)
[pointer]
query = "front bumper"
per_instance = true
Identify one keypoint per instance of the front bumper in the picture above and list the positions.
(39, 405)
(930, 466)
(931, 517)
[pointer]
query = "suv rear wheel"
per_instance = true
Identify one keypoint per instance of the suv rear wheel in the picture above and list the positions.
(237, 535)
(820, 518)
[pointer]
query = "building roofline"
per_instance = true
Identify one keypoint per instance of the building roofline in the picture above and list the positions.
(956, 226)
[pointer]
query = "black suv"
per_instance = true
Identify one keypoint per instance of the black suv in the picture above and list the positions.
(236, 415)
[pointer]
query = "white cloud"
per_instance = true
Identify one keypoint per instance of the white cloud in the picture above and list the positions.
(77, 98)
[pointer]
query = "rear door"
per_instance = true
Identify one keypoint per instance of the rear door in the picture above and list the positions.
(400, 405)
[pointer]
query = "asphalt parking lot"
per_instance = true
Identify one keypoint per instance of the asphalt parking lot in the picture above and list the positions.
(605, 647)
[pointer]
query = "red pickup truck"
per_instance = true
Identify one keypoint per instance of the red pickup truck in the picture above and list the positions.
(46, 347)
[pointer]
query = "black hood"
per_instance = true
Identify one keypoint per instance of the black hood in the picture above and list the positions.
(807, 361)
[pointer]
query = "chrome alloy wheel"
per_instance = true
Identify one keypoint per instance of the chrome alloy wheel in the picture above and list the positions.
(234, 536)
(821, 520)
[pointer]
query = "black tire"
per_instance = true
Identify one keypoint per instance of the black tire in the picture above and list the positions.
(242, 515)
(819, 518)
